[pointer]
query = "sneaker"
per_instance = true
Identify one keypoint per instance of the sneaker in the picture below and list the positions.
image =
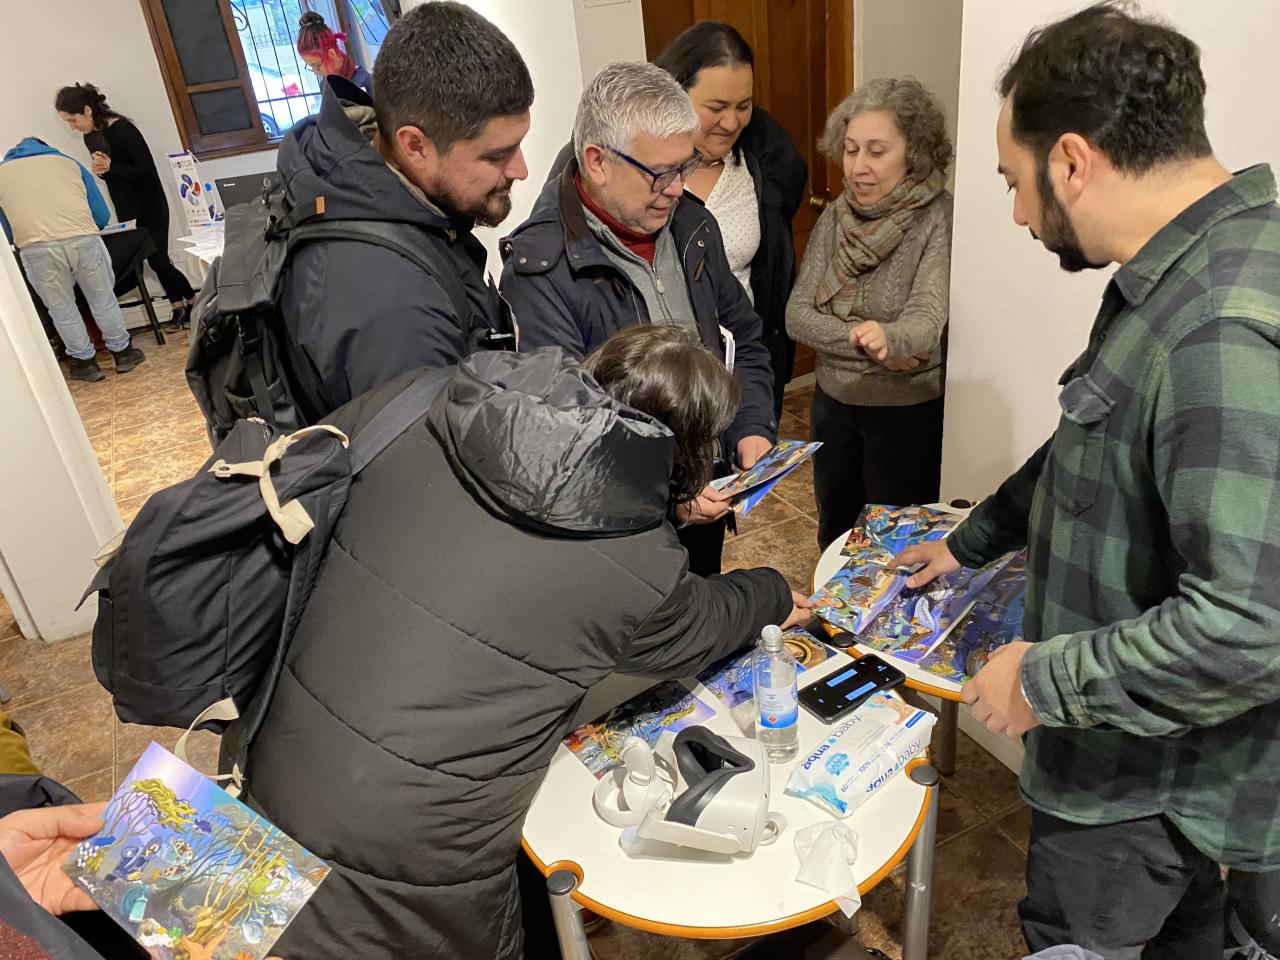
(127, 359)
(86, 370)
(180, 318)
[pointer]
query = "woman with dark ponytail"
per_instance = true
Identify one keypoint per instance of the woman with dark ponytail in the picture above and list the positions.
(122, 158)
(320, 50)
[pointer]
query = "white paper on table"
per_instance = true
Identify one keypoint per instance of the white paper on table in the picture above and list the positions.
(118, 227)
(827, 852)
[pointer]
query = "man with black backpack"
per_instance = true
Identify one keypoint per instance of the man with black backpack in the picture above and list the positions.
(436, 154)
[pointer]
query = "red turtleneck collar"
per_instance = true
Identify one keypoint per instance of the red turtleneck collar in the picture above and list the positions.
(643, 245)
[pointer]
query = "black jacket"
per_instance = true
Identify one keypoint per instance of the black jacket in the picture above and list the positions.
(566, 292)
(358, 314)
(490, 566)
(780, 176)
(132, 181)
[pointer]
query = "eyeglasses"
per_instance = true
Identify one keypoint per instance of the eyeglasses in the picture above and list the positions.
(313, 67)
(660, 181)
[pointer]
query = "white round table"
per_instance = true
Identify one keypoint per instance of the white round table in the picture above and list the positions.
(922, 681)
(716, 897)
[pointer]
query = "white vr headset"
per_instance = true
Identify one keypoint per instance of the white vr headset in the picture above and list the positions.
(693, 789)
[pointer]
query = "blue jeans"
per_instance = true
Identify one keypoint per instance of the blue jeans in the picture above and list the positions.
(54, 268)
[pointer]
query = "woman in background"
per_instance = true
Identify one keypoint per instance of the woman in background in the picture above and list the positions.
(752, 179)
(121, 157)
(319, 48)
(871, 299)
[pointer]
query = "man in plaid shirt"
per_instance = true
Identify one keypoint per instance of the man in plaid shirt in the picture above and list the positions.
(1148, 688)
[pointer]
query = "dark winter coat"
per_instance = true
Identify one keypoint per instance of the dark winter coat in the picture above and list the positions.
(565, 291)
(358, 314)
(490, 566)
(780, 176)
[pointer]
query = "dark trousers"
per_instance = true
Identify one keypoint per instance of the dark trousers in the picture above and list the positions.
(705, 545)
(153, 217)
(1130, 890)
(887, 455)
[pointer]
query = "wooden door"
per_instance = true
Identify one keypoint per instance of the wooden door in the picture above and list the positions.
(804, 67)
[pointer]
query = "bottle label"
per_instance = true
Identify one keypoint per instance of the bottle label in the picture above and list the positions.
(777, 706)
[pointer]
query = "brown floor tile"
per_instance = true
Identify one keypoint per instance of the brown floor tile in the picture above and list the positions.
(612, 941)
(162, 469)
(1016, 827)
(984, 781)
(766, 513)
(797, 402)
(797, 489)
(148, 379)
(202, 751)
(174, 401)
(956, 816)
(791, 427)
(35, 670)
(95, 787)
(92, 396)
(789, 547)
(145, 439)
(70, 735)
(8, 625)
(977, 883)
(97, 419)
(133, 738)
(129, 508)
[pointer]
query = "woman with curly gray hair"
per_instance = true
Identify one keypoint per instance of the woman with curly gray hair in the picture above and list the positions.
(871, 300)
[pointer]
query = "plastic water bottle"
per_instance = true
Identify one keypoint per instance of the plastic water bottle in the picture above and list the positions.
(773, 675)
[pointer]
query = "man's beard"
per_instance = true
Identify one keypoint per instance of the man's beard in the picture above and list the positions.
(488, 212)
(1056, 232)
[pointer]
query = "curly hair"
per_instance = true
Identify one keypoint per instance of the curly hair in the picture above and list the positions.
(915, 111)
(1131, 86)
(75, 99)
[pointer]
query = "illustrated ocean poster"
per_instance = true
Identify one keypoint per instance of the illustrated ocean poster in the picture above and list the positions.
(190, 871)
(917, 620)
(751, 486)
(856, 594)
(994, 620)
(730, 679)
(667, 706)
(882, 532)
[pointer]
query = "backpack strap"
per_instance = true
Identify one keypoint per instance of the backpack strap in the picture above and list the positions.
(425, 256)
(408, 407)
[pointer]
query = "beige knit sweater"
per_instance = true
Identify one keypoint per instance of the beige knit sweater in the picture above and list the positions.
(907, 293)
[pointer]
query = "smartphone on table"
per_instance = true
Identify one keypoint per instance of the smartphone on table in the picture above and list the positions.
(845, 690)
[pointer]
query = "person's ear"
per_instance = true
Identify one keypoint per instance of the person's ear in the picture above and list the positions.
(1077, 165)
(416, 151)
(594, 165)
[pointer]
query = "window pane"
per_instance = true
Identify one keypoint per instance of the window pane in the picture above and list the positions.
(221, 111)
(368, 29)
(200, 38)
(286, 90)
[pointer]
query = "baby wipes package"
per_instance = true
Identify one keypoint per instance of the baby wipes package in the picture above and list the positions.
(861, 754)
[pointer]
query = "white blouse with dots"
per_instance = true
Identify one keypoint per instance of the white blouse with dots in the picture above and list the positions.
(733, 203)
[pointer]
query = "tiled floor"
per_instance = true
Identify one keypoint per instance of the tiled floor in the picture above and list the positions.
(148, 434)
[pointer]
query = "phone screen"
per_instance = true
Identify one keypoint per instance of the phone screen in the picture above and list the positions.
(845, 690)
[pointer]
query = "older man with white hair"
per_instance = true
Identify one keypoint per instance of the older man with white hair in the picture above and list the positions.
(614, 240)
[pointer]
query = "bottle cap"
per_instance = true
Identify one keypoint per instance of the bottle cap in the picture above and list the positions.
(771, 638)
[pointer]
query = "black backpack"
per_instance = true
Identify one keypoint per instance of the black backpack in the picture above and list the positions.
(237, 364)
(198, 599)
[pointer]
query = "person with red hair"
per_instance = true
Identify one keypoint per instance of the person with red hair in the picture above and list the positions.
(324, 56)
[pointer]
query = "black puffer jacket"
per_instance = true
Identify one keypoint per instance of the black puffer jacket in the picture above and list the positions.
(359, 314)
(490, 566)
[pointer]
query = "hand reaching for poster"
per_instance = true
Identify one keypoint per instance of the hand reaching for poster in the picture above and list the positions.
(36, 842)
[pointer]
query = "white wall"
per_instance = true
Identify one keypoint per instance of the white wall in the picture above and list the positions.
(608, 31)
(919, 38)
(55, 508)
(1016, 319)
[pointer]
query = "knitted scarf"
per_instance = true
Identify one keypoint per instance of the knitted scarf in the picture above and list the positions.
(866, 235)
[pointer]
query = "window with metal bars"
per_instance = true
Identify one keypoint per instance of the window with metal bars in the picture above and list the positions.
(232, 70)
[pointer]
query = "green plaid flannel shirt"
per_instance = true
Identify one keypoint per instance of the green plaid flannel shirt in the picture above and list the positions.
(1152, 517)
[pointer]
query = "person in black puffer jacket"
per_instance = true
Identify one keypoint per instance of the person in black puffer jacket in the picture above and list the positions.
(490, 566)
